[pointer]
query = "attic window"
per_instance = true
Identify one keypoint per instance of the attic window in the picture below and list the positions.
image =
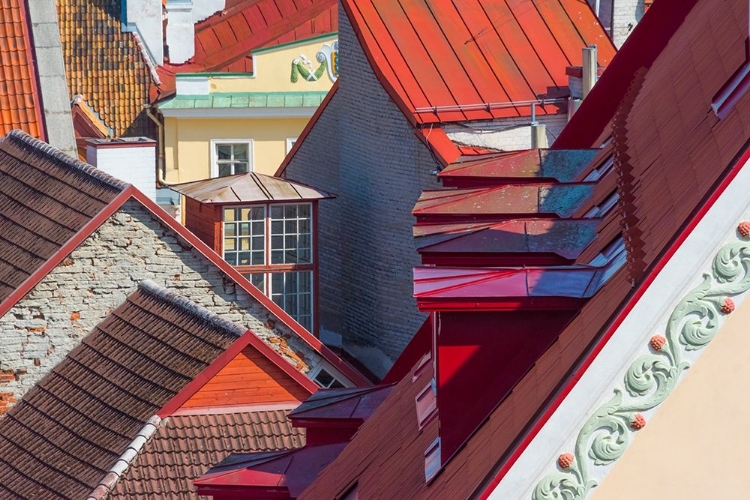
(601, 209)
(602, 169)
(426, 405)
(325, 380)
(422, 364)
(432, 460)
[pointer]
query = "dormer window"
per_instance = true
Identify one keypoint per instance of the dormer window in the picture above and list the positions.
(426, 404)
(432, 460)
(325, 380)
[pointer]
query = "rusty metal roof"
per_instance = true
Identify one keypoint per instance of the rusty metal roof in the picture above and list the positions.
(248, 188)
(534, 164)
(445, 61)
(186, 446)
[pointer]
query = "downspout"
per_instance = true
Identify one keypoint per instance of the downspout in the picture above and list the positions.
(161, 171)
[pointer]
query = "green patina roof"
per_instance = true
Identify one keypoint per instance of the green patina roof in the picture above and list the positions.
(246, 100)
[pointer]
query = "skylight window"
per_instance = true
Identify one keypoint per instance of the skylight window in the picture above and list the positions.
(432, 460)
(602, 169)
(426, 405)
(601, 209)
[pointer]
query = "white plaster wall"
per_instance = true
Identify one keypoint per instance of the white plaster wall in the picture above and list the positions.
(135, 165)
(146, 16)
(507, 134)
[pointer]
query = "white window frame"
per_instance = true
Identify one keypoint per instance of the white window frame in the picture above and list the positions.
(214, 156)
(313, 374)
(290, 143)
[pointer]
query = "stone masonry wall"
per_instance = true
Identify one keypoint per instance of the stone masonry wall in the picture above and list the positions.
(625, 15)
(129, 247)
(364, 150)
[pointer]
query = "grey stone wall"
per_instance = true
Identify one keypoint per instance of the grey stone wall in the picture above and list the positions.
(98, 276)
(363, 149)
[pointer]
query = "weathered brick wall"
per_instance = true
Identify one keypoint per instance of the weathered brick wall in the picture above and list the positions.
(364, 150)
(97, 277)
(625, 15)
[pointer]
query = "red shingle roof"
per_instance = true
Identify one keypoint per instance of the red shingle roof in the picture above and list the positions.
(186, 446)
(20, 101)
(464, 56)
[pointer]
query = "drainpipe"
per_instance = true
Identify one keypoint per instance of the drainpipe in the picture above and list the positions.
(589, 69)
(160, 165)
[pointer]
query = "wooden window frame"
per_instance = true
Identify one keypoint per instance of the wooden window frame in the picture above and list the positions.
(215, 157)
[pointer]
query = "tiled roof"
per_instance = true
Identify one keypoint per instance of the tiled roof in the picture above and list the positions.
(20, 100)
(672, 156)
(249, 187)
(46, 198)
(105, 64)
(69, 430)
(224, 41)
(246, 100)
(471, 59)
(186, 446)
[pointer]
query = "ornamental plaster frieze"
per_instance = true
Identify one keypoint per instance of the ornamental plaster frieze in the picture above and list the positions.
(653, 375)
(644, 358)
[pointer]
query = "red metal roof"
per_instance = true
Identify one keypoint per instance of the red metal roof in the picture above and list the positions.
(20, 100)
(680, 158)
(224, 41)
(520, 200)
(339, 404)
(473, 57)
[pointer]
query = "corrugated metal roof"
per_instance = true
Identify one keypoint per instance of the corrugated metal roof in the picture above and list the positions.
(186, 446)
(248, 188)
(221, 100)
(473, 57)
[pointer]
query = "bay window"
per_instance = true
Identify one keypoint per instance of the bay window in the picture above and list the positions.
(272, 246)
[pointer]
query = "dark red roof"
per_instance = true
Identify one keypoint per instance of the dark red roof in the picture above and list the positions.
(470, 59)
(340, 404)
(186, 446)
(71, 427)
(224, 42)
(673, 157)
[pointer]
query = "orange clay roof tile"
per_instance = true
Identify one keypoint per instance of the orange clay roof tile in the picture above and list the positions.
(104, 64)
(20, 105)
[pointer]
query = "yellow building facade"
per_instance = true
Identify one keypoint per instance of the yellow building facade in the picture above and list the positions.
(220, 124)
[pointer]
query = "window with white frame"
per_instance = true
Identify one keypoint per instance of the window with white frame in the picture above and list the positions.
(276, 240)
(230, 157)
(325, 380)
(290, 143)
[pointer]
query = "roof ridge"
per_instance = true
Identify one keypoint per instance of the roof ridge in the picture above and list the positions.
(23, 140)
(181, 302)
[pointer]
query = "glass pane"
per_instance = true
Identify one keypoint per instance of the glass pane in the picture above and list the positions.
(245, 229)
(225, 169)
(257, 279)
(240, 152)
(324, 379)
(258, 227)
(244, 243)
(290, 226)
(258, 258)
(245, 213)
(290, 257)
(305, 285)
(277, 227)
(305, 257)
(277, 283)
(304, 226)
(228, 214)
(231, 258)
(257, 243)
(223, 151)
(258, 213)
(241, 167)
(229, 244)
(277, 212)
(277, 242)
(229, 229)
(277, 257)
(336, 385)
(304, 211)
(290, 211)
(291, 242)
(304, 241)
(243, 259)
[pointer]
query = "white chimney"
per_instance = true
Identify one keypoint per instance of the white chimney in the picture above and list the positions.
(145, 18)
(180, 31)
(131, 159)
(589, 69)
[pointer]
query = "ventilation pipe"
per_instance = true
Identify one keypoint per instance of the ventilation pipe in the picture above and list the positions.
(589, 69)
(538, 131)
